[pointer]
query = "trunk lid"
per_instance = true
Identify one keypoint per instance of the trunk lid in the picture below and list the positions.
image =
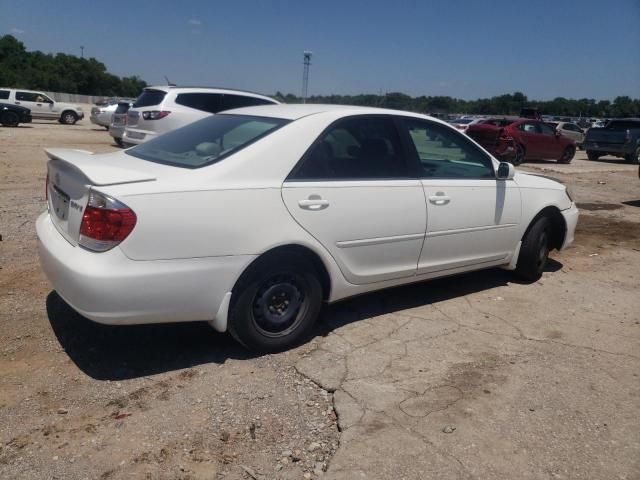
(606, 136)
(72, 173)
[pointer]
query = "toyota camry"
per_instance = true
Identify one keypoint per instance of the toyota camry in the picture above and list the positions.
(252, 219)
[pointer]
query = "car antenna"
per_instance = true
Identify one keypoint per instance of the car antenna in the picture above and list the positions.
(168, 82)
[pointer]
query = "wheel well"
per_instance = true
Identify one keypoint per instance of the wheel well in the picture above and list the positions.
(296, 251)
(558, 225)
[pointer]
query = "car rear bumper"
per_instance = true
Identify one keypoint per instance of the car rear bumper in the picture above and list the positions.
(111, 288)
(621, 149)
(137, 136)
(116, 131)
(570, 215)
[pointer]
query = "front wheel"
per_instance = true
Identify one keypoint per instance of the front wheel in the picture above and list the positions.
(633, 158)
(593, 156)
(534, 251)
(68, 118)
(519, 158)
(567, 155)
(278, 302)
(9, 119)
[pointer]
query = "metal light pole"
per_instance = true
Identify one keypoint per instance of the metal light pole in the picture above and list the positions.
(305, 74)
(81, 51)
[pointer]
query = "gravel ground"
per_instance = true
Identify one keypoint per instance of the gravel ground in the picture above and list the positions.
(472, 377)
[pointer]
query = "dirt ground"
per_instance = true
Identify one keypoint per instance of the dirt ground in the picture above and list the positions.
(469, 377)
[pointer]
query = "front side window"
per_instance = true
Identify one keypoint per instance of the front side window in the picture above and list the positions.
(206, 141)
(529, 127)
(28, 97)
(446, 153)
(207, 102)
(546, 129)
(355, 148)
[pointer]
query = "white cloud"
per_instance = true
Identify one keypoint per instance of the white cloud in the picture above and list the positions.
(195, 21)
(17, 31)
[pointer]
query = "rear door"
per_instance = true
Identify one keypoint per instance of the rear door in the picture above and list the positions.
(472, 218)
(354, 191)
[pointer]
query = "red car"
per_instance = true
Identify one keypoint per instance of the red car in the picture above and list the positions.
(532, 140)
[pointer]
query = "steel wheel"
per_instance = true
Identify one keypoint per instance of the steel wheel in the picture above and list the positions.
(278, 305)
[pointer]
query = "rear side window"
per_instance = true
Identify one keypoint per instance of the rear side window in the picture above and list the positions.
(356, 148)
(4, 94)
(622, 125)
(230, 101)
(206, 141)
(122, 107)
(207, 102)
(149, 98)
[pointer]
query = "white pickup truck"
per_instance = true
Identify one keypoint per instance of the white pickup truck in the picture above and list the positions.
(42, 106)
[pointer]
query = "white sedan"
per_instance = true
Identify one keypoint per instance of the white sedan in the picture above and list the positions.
(253, 218)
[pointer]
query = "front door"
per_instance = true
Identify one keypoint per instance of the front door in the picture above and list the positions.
(41, 106)
(532, 139)
(353, 191)
(472, 217)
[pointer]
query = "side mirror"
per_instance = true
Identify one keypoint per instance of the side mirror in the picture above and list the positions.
(506, 171)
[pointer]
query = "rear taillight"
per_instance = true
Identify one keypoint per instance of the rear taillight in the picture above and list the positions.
(105, 223)
(155, 114)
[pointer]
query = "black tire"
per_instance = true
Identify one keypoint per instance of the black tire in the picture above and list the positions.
(275, 304)
(633, 158)
(593, 156)
(9, 119)
(567, 155)
(68, 117)
(534, 250)
(519, 157)
(119, 142)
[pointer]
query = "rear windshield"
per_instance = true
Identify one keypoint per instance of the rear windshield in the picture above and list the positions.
(622, 125)
(462, 121)
(123, 107)
(206, 141)
(149, 98)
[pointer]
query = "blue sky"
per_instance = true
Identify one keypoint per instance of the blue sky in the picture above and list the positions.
(466, 49)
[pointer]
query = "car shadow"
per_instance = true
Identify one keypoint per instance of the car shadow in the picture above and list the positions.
(614, 160)
(106, 352)
(415, 295)
(632, 203)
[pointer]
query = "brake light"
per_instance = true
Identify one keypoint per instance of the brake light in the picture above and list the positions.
(105, 223)
(155, 114)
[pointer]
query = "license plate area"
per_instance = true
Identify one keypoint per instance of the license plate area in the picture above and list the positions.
(59, 203)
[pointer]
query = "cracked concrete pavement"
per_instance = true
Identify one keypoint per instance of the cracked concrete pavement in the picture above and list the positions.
(480, 377)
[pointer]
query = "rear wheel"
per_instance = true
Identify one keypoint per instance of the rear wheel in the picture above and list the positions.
(534, 251)
(593, 156)
(567, 155)
(119, 142)
(519, 158)
(68, 118)
(278, 301)
(9, 119)
(633, 158)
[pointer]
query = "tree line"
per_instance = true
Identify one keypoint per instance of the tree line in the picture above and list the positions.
(71, 74)
(60, 72)
(509, 104)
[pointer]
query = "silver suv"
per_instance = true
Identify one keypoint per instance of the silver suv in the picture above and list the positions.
(42, 106)
(161, 109)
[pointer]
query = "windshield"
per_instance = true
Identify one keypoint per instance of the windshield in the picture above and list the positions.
(149, 98)
(206, 141)
(622, 125)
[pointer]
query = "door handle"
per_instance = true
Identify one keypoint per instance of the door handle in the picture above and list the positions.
(314, 202)
(439, 199)
(17, 103)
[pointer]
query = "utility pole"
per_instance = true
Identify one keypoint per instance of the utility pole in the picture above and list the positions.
(81, 51)
(305, 75)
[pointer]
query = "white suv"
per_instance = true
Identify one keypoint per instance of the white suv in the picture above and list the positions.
(161, 109)
(42, 106)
